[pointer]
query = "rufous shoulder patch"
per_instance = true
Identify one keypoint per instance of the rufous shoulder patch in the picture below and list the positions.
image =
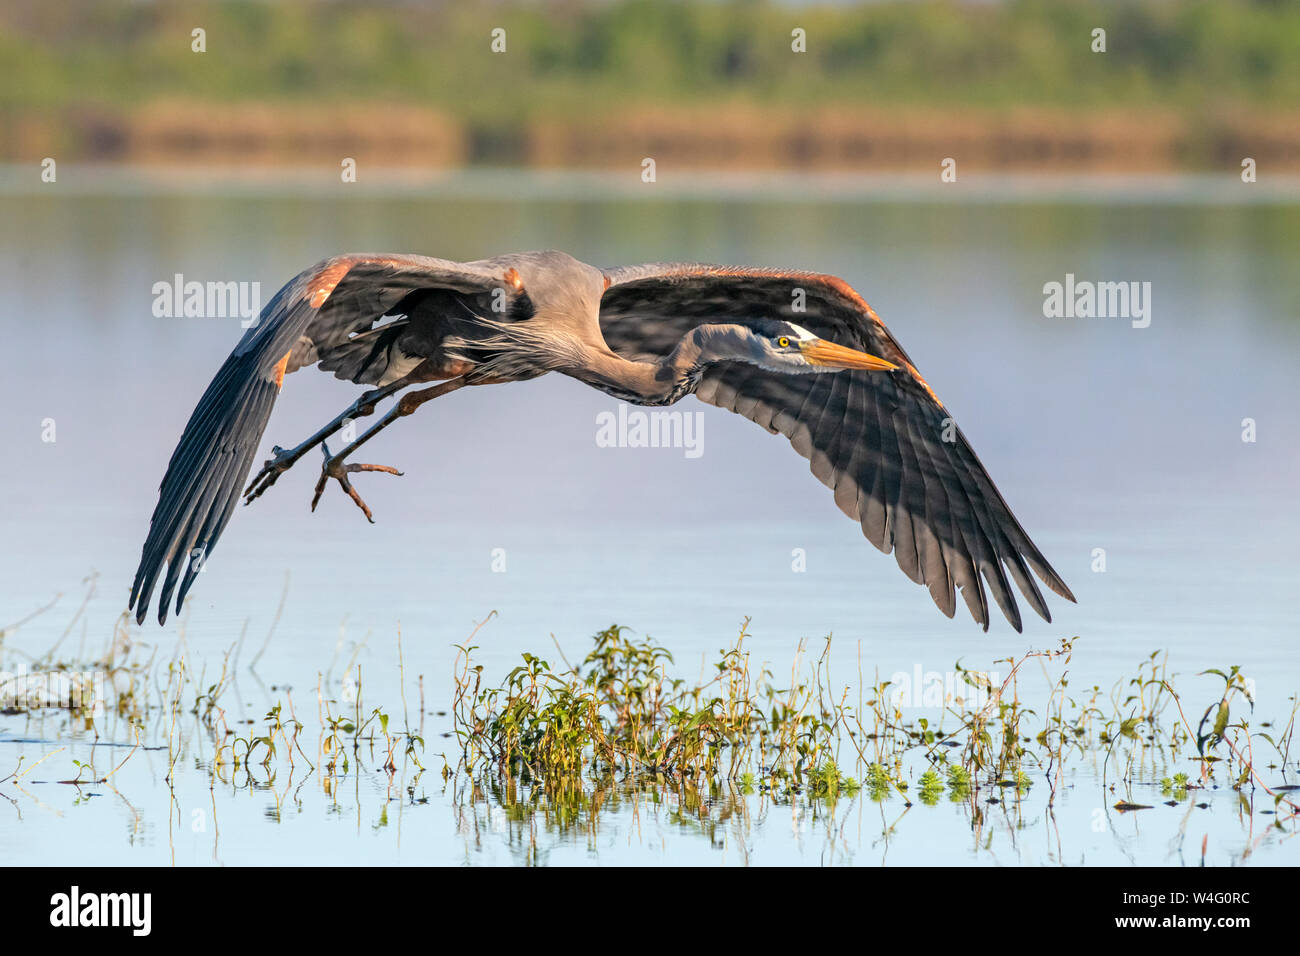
(326, 280)
(280, 368)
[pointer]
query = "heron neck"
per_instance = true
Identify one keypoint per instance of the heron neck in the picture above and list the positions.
(660, 382)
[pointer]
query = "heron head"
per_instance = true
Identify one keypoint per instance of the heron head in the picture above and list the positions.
(786, 347)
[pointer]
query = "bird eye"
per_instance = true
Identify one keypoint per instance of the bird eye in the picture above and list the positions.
(783, 342)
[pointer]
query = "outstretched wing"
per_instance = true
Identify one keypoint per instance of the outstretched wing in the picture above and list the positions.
(326, 313)
(883, 442)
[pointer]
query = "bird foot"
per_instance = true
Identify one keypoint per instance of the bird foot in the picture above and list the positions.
(281, 460)
(334, 467)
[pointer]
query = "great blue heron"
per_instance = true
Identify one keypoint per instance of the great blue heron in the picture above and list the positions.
(741, 339)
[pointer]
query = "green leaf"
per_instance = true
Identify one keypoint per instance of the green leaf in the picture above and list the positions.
(1221, 723)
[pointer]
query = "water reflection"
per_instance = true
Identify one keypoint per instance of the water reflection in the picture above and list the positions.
(1101, 437)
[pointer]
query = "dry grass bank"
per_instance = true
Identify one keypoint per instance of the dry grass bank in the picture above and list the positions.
(730, 137)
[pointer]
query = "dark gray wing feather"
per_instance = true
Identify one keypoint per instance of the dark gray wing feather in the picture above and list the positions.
(315, 317)
(883, 442)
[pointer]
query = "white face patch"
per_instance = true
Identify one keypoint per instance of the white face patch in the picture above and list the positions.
(801, 333)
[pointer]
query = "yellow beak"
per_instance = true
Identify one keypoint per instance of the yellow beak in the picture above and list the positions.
(821, 352)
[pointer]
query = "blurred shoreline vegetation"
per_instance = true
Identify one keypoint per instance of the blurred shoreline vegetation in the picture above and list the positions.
(1192, 85)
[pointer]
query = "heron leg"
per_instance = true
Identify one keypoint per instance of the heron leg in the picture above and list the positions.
(334, 466)
(282, 460)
